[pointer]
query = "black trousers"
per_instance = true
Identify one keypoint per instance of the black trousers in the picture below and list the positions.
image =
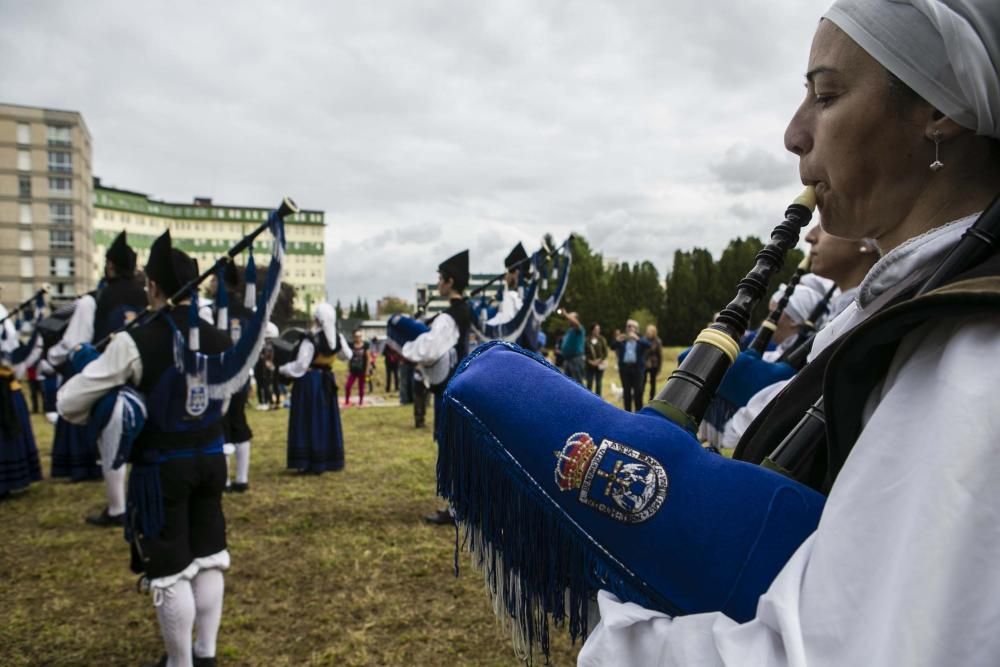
(391, 373)
(650, 378)
(632, 376)
(194, 525)
(594, 376)
(420, 395)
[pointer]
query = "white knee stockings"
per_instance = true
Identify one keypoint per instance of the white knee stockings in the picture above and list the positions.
(190, 605)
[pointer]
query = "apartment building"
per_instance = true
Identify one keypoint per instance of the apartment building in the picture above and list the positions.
(45, 202)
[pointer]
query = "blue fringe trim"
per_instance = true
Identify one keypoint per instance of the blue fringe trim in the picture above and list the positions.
(537, 562)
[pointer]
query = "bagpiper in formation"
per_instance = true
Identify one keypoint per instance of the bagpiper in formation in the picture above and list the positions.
(118, 299)
(231, 315)
(439, 350)
(315, 436)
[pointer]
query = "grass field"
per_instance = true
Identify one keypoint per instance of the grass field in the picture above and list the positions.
(338, 569)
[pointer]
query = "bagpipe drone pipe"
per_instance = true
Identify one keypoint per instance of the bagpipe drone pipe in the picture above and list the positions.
(793, 456)
(562, 494)
(749, 373)
(538, 302)
(118, 417)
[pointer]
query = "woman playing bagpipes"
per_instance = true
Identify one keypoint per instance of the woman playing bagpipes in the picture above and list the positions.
(899, 134)
(876, 543)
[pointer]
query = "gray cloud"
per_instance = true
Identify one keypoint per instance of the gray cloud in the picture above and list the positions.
(425, 127)
(744, 168)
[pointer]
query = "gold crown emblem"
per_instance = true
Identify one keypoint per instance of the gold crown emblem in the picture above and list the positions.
(574, 459)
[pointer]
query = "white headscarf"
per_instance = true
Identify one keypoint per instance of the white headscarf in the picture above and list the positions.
(801, 304)
(326, 316)
(947, 51)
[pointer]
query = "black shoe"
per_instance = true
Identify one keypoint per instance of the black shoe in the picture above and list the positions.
(237, 487)
(419, 425)
(105, 520)
(440, 518)
(204, 662)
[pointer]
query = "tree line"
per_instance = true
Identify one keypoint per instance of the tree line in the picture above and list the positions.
(696, 288)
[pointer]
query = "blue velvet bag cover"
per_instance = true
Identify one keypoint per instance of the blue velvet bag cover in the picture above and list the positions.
(402, 329)
(562, 494)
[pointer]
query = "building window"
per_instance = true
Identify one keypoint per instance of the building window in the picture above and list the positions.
(24, 160)
(61, 214)
(27, 267)
(27, 243)
(61, 239)
(59, 135)
(61, 187)
(61, 267)
(59, 161)
(65, 289)
(24, 214)
(24, 186)
(23, 134)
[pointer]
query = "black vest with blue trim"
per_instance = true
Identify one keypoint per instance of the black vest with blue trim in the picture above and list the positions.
(168, 424)
(118, 301)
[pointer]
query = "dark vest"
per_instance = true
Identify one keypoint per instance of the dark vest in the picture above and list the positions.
(323, 352)
(168, 426)
(118, 301)
(460, 311)
(846, 372)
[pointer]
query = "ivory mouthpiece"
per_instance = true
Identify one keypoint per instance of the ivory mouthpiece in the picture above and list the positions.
(804, 264)
(807, 198)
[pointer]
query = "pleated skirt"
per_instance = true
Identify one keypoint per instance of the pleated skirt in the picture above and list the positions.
(19, 465)
(315, 437)
(74, 452)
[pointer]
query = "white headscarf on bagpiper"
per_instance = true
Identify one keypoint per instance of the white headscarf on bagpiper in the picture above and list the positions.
(947, 51)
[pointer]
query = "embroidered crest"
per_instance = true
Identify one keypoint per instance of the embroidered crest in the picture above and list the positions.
(235, 329)
(613, 478)
(197, 397)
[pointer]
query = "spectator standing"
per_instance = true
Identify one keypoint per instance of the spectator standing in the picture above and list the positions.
(597, 358)
(631, 351)
(572, 347)
(357, 368)
(654, 359)
(391, 368)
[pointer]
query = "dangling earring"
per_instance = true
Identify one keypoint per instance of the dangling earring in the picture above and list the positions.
(937, 165)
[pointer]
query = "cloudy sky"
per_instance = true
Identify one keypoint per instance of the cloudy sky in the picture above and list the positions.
(422, 127)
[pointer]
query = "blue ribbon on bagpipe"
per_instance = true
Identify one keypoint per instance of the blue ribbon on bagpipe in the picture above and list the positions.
(562, 494)
(535, 308)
